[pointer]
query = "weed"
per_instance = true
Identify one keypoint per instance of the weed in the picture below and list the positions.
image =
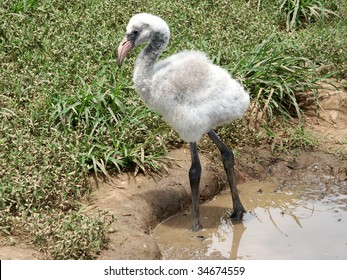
(301, 139)
(273, 71)
(326, 47)
(73, 235)
(299, 12)
(24, 5)
(285, 138)
(116, 131)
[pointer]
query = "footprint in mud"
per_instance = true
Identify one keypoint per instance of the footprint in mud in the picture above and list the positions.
(280, 224)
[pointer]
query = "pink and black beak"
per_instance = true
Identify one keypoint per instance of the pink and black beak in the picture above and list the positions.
(124, 47)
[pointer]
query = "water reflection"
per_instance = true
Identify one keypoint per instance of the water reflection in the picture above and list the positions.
(226, 240)
(278, 225)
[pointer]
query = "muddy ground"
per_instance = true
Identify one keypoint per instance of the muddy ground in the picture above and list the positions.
(140, 203)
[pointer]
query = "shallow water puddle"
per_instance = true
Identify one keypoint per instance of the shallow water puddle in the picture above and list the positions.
(280, 224)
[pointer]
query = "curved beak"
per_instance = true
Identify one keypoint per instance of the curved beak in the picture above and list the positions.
(124, 47)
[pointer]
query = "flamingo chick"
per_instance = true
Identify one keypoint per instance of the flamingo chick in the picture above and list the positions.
(192, 95)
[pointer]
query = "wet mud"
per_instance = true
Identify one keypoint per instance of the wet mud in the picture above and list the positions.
(299, 212)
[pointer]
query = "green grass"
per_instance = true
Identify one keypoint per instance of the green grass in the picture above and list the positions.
(284, 138)
(66, 109)
(325, 46)
(303, 12)
(117, 130)
(274, 71)
(23, 5)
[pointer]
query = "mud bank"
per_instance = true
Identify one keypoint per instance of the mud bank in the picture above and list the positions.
(276, 186)
(140, 203)
(274, 190)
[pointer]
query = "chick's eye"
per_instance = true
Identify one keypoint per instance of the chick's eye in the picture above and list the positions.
(135, 32)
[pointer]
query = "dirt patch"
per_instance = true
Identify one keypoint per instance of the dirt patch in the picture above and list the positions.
(329, 120)
(19, 252)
